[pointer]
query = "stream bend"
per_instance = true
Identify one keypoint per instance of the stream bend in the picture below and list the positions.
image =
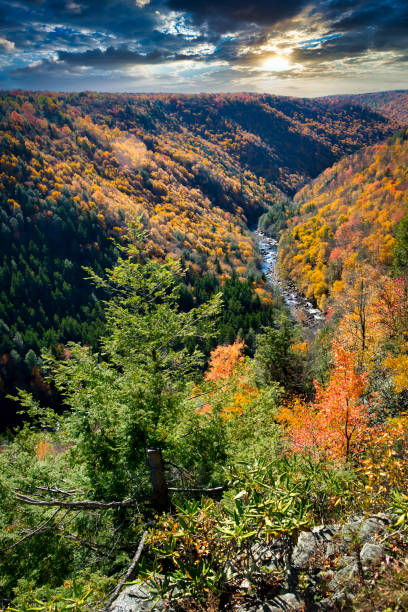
(300, 308)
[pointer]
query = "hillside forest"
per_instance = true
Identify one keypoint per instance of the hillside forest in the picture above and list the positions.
(198, 169)
(136, 317)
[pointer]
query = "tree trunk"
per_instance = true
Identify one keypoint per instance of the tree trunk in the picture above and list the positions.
(158, 480)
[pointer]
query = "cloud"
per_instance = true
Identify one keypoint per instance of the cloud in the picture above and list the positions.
(164, 44)
(118, 18)
(223, 15)
(110, 57)
(6, 45)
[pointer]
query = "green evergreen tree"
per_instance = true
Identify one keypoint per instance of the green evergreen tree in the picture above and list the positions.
(401, 247)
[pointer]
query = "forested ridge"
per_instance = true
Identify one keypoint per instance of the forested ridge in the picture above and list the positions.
(391, 103)
(74, 167)
(348, 216)
(137, 301)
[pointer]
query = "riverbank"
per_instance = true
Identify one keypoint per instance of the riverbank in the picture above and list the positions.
(301, 309)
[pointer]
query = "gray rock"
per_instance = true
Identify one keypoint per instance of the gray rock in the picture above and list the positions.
(337, 601)
(267, 557)
(344, 577)
(305, 549)
(371, 553)
(336, 546)
(245, 585)
(357, 530)
(322, 539)
(259, 607)
(137, 598)
(364, 529)
(344, 561)
(371, 527)
(288, 602)
(325, 576)
(325, 533)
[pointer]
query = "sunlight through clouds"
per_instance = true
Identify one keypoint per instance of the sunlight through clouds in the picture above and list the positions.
(116, 44)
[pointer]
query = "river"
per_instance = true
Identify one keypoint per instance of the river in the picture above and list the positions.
(302, 311)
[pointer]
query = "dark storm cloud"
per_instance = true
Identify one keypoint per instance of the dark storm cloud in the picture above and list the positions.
(72, 39)
(118, 18)
(110, 58)
(116, 58)
(222, 15)
(360, 28)
(367, 13)
(384, 23)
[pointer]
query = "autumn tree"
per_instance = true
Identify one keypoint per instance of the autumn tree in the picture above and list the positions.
(336, 422)
(392, 313)
(358, 328)
(224, 359)
(226, 389)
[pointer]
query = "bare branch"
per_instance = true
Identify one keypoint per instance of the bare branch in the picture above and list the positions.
(210, 392)
(32, 533)
(99, 548)
(181, 490)
(77, 505)
(96, 546)
(127, 574)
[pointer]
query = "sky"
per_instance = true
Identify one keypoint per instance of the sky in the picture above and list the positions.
(287, 47)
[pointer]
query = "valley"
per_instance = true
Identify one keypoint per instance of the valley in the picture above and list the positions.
(203, 352)
(76, 168)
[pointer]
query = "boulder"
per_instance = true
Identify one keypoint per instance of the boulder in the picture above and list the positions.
(288, 601)
(371, 553)
(364, 529)
(325, 533)
(340, 600)
(311, 543)
(371, 527)
(137, 598)
(344, 577)
(305, 549)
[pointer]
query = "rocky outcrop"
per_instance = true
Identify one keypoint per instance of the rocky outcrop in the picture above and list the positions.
(137, 598)
(321, 573)
(324, 570)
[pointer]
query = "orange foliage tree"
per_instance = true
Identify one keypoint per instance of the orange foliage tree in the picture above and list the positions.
(384, 465)
(229, 376)
(336, 422)
(224, 359)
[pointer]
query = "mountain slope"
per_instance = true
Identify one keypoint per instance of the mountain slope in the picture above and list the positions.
(393, 104)
(348, 215)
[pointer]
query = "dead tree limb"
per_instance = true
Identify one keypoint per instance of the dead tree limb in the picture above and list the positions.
(77, 505)
(191, 490)
(127, 574)
(32, 533)
(98, 548)
(103, 548)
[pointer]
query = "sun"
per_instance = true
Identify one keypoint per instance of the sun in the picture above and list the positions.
(276, 63)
